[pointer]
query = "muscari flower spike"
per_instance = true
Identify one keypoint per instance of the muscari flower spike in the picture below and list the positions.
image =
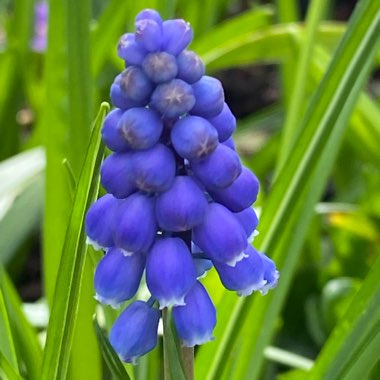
(179, 201)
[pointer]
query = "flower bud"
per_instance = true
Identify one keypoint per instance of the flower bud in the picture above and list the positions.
(181, 207)
(248, 219)
(111, 134)
(219, 169)
(135, 85)
(170, 271)
(173, 99)
(224, 123)
(141, 128)
(149, 14)
(193, 137)
(271, 274)
(129, 50)
(152, 170)
(134, 332)
(149, 34)
(209, 97)
(114, 175)
(190, 67)
(246, 276)
(117, 277)
(100, 219)
(220, 235)
(202, 266)
(230, 143)
(241, 194)
(135, 226)
(160, 67)
(196, 320)
(177, 35)
(119, 98)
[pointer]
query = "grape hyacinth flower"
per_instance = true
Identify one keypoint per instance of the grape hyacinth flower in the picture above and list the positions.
(179, 200)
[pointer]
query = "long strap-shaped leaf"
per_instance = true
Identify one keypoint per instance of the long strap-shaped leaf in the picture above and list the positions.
(65, 302)
(289, 209)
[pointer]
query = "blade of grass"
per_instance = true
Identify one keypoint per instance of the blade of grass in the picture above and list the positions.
(66, 297)
(297, 189)
(109, 355)
(27, 346)
(7, 370)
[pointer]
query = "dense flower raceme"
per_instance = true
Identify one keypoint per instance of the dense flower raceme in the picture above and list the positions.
(178, 201)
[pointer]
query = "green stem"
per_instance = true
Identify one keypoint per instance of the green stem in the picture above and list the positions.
(187, 354)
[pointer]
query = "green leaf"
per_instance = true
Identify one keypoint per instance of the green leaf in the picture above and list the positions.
(289, 208)
(109, 355)
(353, 347)
(7, 370)
(28, 348)
(66, 297)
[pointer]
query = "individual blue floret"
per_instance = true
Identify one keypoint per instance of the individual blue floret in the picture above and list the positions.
(224, 123)
(149, 34)
(248, 219)
(160, 67)
(190, 66)
(177, 35)
(129, 50)
(111, 134)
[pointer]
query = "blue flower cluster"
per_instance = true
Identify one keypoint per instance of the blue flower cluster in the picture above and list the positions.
(178, 199)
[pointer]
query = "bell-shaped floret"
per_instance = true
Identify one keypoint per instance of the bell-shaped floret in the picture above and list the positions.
(193, 137)
(173, 99)
(220, 236)
(224, 123)
(149, 14)
(230, 143)
(177, 35)
(135, 225)
(135, 85)
(247, 275)
(209, 97)
(170, 271)
(117, 277)
(114, 175)
(100, 220)
(248, 219)
(152, 170)
(129, 50)
(219, 169)
(140, 128)
(160, 67)
(202, 266)
(149, 34)
(119, 98)
(134, 332)
(181, 207)
(195, 321)
(111, 134)
(190, 67)
(271, 274)
(241, 194)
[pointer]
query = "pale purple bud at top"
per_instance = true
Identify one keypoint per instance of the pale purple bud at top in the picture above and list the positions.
(134, 332)
(149, 14)
(39, 42)
(271, 274)
(114, 175)
(181, 207)
(247, 275)
(193, 137)
(149, 34)
(160, 67)
(117, 277)
(209, 97)
(140, 127)
(100, 220)
(111, 133)
(220, 235)
(190, 66)
(219, 169)
(135, 84)
(152, 170)
(129, 50)
(248, 219)
(195, 321)
(240, 194)
(225, 123)
(202, 266)
(135, 224)
(177, 35)
(230, 143)
(173, 99)
(170, 271)
(119, 98)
